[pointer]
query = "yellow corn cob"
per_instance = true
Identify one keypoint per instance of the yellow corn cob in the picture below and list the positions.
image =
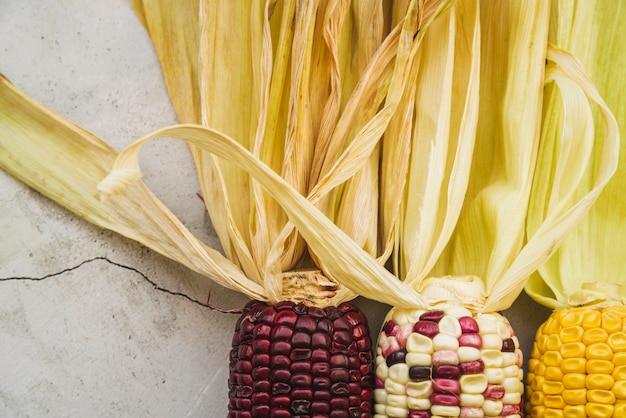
(577, 367)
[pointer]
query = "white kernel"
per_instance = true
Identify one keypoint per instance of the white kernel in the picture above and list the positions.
(421, 389)
(445, 357)
(419, 404)
(473, 383)
(511, 384)
(495, 375)
(492, 358)
(520, 374)
(515, 341)
(511, 371)
(418, 359)
(467, 354)
(492, 408)
(492, 341)
(396, 401)
(504, 331)
(472, 400)
(399, 372)
(406, 316)
(389, 345)
(382, 371)
(450, 325)
(380, 411)
(472, 412)
(394, 388)
(445, 342)
(487, 324)
(379, 349)
(512, 398)
(509, 359)
(380, 397)
(380, 359)
(445, 410)
(418, 343)
(396, 412)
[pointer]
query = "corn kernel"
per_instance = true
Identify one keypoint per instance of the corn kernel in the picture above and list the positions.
(571, 334)
(494, 375)
(619, 409)
(619, 390)
(594, 336)
(617, 310)
(554, 342)
(394, 388)
(600, 351)
(449, 325)
(574, 365)
(492, 358)
(552, 324)
(572, 317)
(420, 404)
(538, 411)
(473, 383)
(511, 371)
(471, 400)
(619, 359)
(570, 350)
(619, 373)
(575, 411)
(553, 413)
(512, 398)
(445, 342)
(419, 343)
(574, 380)
(537, 398)
(575, 396)
(537, 383)
(380, 396)
(393, 411)
(444, 411)
(554, 401)
(399, 372)
(492, 408)
(592, 319)
(542, 343)
(421, 389)
(532, 364)
(491, 341)
(601, 396)
(599, 381)
(617, 341)
(552, 358)
(418, 359)
(599, 366)
(554, 373)
(611, 322)
(396, 401)
(598, 410)
(552, 388)
(541, 369)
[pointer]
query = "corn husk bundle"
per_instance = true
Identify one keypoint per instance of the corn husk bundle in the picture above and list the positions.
(460, 231)
(294, 97)
(577, 366)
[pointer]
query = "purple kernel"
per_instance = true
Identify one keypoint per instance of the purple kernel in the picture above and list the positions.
(448, 386)
(420, 373)
(447, 371)
(471, 340)
(396, 357)
(444, 399)
(391, 328)
(508, 345)
(306, 323)
(494, 392)
(427, 328)
(300, 407)
(468, 325)
(434, 316)
(418, 414)
(471, 367)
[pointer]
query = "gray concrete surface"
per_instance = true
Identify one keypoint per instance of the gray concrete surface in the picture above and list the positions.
(90, 322)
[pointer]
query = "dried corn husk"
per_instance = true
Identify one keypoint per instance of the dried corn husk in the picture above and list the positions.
(594, 252)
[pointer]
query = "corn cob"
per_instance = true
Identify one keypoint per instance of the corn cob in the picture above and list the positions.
(447, 362)
(290, 359)
(577, 367)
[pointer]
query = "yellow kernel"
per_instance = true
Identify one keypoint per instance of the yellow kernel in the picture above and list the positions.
(552, 324)
(535, 353)
(619, 373)
(595, 335)
(572, 317)
(554, 413)
(575, 396)
(619, 390)
(600, 351)
(611, 321)
(532, 364)
(537, 398)
(554, 373)
(619, 359)
(554, 342)
(620, 409)
(601, 396)
(552, 388)
(570, 350)
(618, 310)
(599, 366)
(599, 381)
(537, 383)
(571, 334)
(574, 380)
(542, 343)
(553, 358)
(554, 401)
(541, 369)
(575, 411)
(538, 412)
(617, 341)
(598, 410)
(573, 365)
(592, 319)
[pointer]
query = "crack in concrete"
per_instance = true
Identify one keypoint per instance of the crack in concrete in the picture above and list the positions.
(155, 285)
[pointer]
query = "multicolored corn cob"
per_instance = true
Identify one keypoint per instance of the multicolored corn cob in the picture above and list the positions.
(577, 367)
(290, 359)
(447, 363)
